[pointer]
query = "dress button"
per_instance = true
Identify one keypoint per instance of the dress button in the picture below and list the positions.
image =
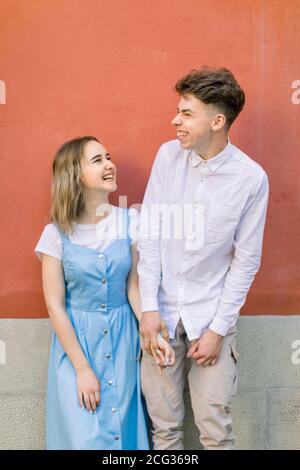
(103, 281)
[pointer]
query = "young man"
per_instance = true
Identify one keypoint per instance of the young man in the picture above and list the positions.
(193, 286)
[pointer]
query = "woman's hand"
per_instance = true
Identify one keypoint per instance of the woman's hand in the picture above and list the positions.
(164, 356)
(88, 388)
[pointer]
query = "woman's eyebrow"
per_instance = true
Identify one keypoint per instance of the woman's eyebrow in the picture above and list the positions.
(99, 155)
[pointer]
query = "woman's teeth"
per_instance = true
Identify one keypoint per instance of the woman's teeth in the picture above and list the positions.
(107, 178)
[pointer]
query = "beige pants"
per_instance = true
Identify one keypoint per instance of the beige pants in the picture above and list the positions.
(212, 389)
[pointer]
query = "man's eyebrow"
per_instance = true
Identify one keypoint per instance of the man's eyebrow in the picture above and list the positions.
(185, 110)
(100, 155)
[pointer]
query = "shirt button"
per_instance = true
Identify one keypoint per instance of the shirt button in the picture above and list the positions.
(117, 438)
(110, 382)
(103, 281)
(101, 256)
(107, 356)
(105, 332)
(114, 410)
(103, 306)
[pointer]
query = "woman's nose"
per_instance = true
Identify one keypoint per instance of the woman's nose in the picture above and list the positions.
(109, 164)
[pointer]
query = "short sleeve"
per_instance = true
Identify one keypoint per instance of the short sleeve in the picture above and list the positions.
(49, 243)
(134, 223)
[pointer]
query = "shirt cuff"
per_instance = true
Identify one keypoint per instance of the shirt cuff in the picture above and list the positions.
(219, 326)
(149, 305)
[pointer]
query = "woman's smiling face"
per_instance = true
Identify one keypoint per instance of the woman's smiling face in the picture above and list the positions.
(98, 172)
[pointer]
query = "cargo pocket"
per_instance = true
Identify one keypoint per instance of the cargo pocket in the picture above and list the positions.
(226, 384)
(234, 353)
(235, 356)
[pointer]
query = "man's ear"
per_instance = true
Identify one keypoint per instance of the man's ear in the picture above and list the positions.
(218, 122)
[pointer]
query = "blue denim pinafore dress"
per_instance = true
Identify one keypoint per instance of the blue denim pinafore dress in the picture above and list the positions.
(106, 328)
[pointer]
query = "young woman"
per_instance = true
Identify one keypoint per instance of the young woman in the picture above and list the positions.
(90, 286)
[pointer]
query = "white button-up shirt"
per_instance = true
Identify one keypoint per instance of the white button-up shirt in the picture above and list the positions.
(201, 235)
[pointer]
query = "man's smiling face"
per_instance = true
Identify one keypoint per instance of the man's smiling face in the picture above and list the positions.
(194, 122)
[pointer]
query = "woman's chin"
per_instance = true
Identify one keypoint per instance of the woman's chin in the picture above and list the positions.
(110, 187)
(113, 188)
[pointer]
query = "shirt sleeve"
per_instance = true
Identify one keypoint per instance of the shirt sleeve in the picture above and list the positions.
(49, 243)
(149, 265)
(248, 241)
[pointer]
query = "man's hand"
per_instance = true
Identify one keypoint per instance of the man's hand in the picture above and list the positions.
(151, 324)
(206, 349)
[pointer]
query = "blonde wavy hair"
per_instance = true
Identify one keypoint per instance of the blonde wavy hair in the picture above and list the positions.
(67, 188)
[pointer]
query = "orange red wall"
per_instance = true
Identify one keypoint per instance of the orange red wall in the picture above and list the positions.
(107, 68)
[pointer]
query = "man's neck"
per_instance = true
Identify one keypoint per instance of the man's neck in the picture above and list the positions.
(213, 148)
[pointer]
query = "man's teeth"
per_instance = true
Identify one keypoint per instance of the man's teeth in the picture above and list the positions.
(182, 133)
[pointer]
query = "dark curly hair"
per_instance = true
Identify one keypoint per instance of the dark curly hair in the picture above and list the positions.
(217, 87)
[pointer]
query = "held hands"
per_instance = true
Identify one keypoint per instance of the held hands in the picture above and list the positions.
(155, 338)
(164, 355)
(151, 324)
(206, 349)
(88, 389)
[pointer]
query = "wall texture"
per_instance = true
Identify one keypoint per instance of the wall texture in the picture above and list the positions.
(108, 67)
(266, 409)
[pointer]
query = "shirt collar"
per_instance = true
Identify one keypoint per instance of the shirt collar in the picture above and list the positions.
(214, 162)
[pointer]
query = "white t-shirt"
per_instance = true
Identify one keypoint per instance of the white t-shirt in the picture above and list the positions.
(96, 236)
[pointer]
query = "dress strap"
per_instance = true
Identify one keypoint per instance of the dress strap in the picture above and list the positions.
(63, 236)
(123, 224)
(128, 227)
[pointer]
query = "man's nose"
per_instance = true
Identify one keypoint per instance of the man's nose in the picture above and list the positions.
(176, 121)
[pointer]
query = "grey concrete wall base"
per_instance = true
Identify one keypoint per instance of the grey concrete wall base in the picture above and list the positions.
(266, 410)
